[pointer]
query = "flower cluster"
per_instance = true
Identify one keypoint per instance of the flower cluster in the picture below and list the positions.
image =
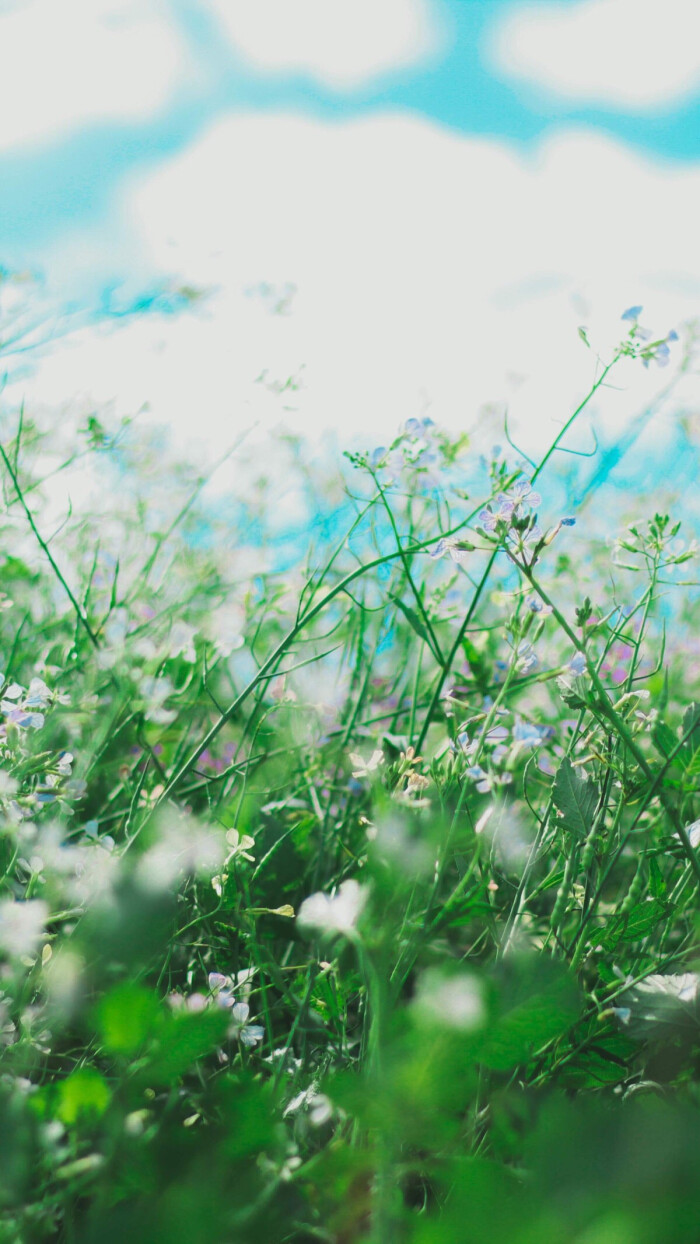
(221, 995)
(25, 707)
(657, 351)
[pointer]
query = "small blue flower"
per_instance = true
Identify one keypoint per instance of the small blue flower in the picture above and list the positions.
(530, 734)
(632, 313)
(568, 522)
(526, 656)
(577, 664)
(661, 355)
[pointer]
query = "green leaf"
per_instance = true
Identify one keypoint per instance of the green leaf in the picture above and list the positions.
(418, 626)
(84, 1093)
(126, 1018)
(665, 741)
(186, 1039)
(657, 884)
(690, 729)
(518, 1034)
(576, 799)
(633, 925)
(477, 664)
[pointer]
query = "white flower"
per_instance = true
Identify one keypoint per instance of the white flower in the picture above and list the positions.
(364, 767)
(182, 848)
(334, 913)
(181, 642)
(38, 695)
(22, 925)
(155, 691)
(458, 550)
(240, 844)
(693, 832)
(8, 785)
(455, 1001)
(241, 1030)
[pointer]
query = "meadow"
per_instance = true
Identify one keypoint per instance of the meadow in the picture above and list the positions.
(349, 871)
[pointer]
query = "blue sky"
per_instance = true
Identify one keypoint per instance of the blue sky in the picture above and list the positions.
(72, 178)
(448, 188)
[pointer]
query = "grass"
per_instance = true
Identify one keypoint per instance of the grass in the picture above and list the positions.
(349, 889)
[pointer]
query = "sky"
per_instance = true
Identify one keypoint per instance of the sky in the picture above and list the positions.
(392, 207)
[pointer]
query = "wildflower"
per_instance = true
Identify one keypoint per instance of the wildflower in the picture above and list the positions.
(524, 493)
(38, 695)
(240, 844)
(577, 664)
(334, 913)
(452, 1001)
(529, 734)
(364, 768)
(632, 314)
(8, 785)
(182, 848)
(457, 549)
(419, 427)
(181, 642)
(19, 717)
(526, 657)
(482, 779)
(22, 925)
(154, 692)
(491, 519)
(241, 1030)
(693, 834)
(535, 605)
(320, 1109)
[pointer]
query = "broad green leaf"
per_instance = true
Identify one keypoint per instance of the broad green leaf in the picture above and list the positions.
(184, 1040)
(126, 1017)
(665, 741)
(576, 799)
(633, 925)
(518, 1034)
(84, 1093)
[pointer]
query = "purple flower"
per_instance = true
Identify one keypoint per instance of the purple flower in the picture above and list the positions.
(457, 549)
(523, 492)
(577, 664)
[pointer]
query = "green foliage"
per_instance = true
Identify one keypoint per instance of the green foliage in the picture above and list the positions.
(576, 799)
(348, 875)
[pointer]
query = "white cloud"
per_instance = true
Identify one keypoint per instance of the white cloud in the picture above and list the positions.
(71, 64)
(341, 43)
(628, 54)
(430, 269)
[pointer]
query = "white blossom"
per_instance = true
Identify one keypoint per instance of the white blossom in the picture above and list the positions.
(334, 913)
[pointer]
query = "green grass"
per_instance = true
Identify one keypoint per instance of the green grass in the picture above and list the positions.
(349, 892)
